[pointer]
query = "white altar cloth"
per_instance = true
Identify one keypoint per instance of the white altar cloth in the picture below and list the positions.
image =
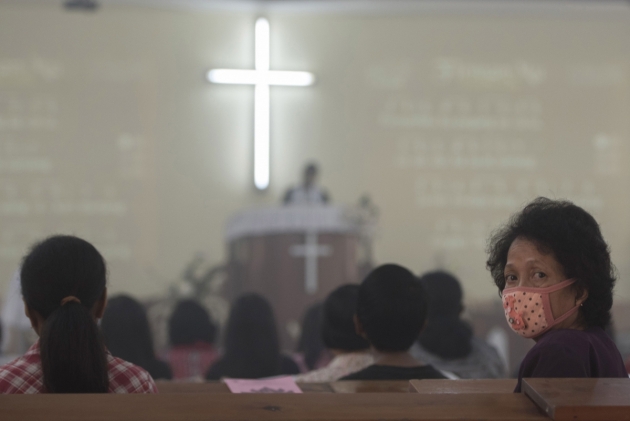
(292, 219)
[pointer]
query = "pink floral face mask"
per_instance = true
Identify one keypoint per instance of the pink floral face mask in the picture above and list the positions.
(528, 311)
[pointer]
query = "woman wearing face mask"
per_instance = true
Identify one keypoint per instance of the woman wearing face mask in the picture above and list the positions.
(553, 270)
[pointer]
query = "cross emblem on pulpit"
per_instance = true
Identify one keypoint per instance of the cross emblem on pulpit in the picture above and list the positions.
(311, 251)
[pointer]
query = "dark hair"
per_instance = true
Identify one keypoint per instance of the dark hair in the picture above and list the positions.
(445, 335)
(190, 323)
(574, 239)
(310, 343)
(252, 348)
(72, 351)
(391, 308)
(126, 330)
(338, 328)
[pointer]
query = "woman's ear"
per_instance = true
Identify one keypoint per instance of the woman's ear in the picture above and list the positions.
(581, 295)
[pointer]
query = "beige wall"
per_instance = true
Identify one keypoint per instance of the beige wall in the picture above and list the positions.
(450, 122)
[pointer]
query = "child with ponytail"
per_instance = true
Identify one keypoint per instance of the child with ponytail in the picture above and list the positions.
(63, 285)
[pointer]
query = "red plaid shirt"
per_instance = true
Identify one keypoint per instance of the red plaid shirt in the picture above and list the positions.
(25, 375)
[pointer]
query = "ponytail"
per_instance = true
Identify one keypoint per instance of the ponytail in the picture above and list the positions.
(63, 280)
(72, 352)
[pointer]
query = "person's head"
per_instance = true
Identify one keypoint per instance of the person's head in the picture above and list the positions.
(542, 246)
(190, 323)
(391, 308)
(444, 294)
(310, 343)
(338, 329)
(252, 348)
(63, 285)
(310, 174)
(126, 329)
(445, 335)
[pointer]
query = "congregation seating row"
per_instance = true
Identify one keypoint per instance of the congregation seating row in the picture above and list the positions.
(543, 399)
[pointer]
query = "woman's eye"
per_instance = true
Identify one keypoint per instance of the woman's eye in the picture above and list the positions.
(540, 275)
(510, 278)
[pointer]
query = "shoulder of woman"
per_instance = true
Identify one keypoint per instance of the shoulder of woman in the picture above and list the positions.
(562, 337)
(564, 345)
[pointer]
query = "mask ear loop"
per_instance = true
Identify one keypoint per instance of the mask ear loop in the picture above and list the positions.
(566, 315)
(546, 303)
(551, 321)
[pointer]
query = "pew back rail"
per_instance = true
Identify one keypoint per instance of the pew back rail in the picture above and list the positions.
(581, 399)
(270, 407)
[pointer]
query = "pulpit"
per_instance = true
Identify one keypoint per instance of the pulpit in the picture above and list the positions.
(294, 256)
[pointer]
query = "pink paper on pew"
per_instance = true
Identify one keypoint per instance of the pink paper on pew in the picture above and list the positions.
(273, 385)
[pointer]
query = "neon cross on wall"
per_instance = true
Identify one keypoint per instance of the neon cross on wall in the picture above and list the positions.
(261, 78)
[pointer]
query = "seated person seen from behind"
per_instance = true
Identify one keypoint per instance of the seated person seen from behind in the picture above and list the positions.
(192, 335)
(308, 193)
(553, 269)
(448, 342)
(128, 336)
(63, 285)
(252, 347)
(311, 353)
(391, 312)
(351, 351)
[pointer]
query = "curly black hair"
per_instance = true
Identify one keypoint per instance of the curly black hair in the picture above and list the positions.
(573, 237)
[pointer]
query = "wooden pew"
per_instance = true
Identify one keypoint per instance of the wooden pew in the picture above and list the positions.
(271, 407)
(381, 386)
(430, 386)
(581, 399)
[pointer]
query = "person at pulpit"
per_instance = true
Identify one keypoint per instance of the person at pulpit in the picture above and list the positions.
(553, 270)
(391, 312)
(308, 193)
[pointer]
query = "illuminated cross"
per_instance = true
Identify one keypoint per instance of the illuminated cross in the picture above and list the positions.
(261, 78)
(311, 251)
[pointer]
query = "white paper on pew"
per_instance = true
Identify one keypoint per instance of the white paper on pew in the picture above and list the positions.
(284, 384)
